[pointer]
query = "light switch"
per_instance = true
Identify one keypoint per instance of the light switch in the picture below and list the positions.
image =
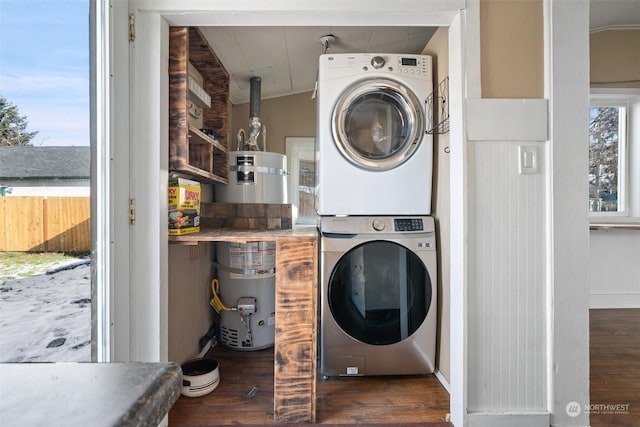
(528, 159)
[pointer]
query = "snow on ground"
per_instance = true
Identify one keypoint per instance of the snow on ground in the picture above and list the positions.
(47, 317)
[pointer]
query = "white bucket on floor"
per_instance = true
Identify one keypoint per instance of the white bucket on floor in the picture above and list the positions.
(200, 377)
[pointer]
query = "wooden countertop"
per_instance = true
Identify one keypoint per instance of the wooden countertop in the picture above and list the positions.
(243, 236)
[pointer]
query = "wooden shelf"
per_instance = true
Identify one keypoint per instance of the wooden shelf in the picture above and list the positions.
(199, 137)
(243, 236)
(191, 151)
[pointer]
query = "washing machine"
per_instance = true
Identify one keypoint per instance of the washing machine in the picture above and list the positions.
(374, 154)
(378, 294)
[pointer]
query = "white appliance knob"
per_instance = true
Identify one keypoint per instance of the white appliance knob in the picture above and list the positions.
(377, 62)
(378, 224)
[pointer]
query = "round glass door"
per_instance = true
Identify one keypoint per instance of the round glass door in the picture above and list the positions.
(379, 292)
(378, 124)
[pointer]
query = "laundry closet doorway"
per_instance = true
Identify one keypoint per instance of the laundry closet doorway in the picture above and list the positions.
(146, 309)
(141, 97)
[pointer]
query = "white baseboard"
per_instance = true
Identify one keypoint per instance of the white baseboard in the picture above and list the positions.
(614, 300)
(442, 380)
(490, 419)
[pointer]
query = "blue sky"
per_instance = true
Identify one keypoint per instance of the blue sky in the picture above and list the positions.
(44, 67)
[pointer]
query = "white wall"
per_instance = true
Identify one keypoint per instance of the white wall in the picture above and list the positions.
(614, 270)
(189, 312)
(438, 47)
(49, 188)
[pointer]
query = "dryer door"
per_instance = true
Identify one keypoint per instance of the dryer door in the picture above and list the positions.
(379, 292)
(378, 124)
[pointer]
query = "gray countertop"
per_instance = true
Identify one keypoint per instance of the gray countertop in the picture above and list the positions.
(87, 394)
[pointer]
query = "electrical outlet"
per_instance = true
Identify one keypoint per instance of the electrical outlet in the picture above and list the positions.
(528, 159)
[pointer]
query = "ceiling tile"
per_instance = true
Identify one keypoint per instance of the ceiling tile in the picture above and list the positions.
(351, 39)
(286, 58)
(222, 36)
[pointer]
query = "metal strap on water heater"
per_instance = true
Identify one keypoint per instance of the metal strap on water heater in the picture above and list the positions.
(259, 169)
(244, 271)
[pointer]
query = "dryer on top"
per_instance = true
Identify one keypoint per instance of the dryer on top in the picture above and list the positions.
(374, 155)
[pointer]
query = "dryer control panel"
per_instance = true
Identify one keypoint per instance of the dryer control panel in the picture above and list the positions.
(419, 64)
(347, 64)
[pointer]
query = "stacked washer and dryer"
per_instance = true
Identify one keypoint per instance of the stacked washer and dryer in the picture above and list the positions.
(378, 269)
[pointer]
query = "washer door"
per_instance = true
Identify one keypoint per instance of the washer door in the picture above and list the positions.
(378, 124)
(379, 292)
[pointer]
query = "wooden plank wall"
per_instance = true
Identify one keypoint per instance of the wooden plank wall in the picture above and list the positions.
(39, 224)
(178, 96)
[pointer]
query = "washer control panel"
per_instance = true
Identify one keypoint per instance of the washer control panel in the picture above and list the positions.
(408, 224)
(378, 224)
(387, 225)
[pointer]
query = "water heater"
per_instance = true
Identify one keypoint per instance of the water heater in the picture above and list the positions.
(246, 274)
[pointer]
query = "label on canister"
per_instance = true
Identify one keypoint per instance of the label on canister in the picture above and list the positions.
(260, 256)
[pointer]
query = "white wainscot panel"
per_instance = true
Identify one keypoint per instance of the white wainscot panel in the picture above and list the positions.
(506, 294)
(614, 271)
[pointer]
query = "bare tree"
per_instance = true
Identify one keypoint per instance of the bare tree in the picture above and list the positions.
(603, 158)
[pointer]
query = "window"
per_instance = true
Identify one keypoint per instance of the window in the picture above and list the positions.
(614, 154)
(607, 142)
(302, 179)
(46, 186)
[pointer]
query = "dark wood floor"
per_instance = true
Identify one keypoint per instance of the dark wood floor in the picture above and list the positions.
(245, 396)
(615, 367)
(245, 393)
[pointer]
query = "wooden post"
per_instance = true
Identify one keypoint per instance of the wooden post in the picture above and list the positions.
(295, 342)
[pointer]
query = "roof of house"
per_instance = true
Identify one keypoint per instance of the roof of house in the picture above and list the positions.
(27, 162)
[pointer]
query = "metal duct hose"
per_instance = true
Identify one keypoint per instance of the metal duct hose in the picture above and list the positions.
(254, 97)
(255, 126)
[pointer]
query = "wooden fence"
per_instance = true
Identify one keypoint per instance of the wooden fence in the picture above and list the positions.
(39, 224)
